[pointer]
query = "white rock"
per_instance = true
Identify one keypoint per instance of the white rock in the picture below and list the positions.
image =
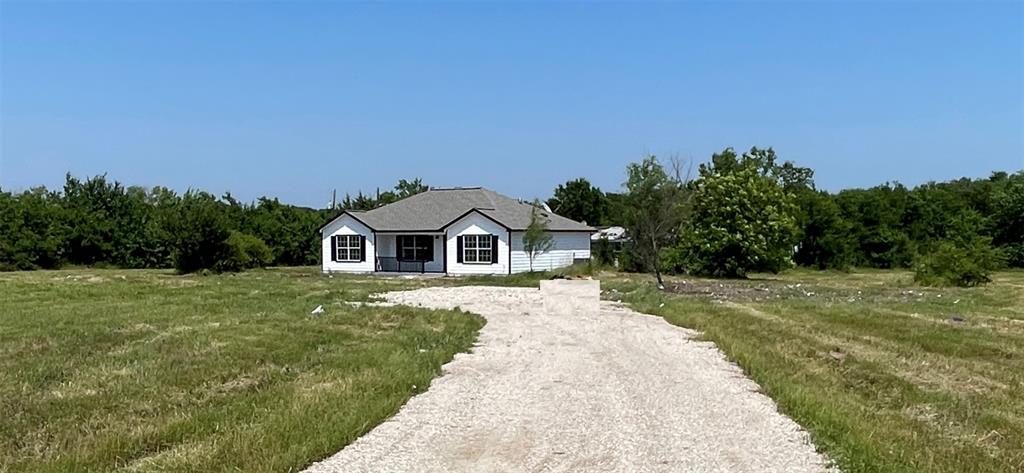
(319, 310)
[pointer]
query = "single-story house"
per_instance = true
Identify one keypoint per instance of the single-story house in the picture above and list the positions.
(461, 230)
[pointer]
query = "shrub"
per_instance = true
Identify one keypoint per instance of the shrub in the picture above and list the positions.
(674, 260)
(244, 252)
(602, 252)
(1014, 254)
(628, 261)
(964, 264)
(964, 258)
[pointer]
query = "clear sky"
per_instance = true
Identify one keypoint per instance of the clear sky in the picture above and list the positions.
(294, 99)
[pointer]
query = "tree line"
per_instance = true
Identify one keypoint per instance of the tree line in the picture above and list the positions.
(98, 222)
(749, 212)
(740, 213)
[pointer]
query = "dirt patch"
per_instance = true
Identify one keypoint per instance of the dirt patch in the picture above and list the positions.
(743, 290)
(755, 290)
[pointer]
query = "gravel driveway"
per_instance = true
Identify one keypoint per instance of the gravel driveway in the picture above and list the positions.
(616, 391)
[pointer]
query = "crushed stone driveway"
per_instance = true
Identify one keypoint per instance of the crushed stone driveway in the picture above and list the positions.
(615, 391)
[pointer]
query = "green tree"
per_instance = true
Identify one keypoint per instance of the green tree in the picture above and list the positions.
(360, 202)
(141, 244)
(764, 162)
(32, 232)
(200, 231)
(289, 231)
(96, 208)
(580, 201)
(965, 258)
(743, 220)
(615, 209)
(108, 223)
(163, 203)
(824, 235)
(401, 190)
(655, 205)
(406, 188)
(1008, 218)
(877, 216)
(536, 239)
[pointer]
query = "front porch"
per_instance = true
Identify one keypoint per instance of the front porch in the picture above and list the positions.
(418, 253)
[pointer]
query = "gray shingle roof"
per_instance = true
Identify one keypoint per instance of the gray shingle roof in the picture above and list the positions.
(436, 208)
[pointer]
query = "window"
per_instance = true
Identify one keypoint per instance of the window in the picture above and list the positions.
(415, 248)
(476, 249)
(349, 248)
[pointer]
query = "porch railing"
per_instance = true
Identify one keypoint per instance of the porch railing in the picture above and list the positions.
(391, 264)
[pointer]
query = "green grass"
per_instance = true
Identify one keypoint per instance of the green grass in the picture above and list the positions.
(110, 370)
(872, 365)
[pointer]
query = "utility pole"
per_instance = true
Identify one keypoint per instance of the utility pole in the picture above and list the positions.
(334, 199)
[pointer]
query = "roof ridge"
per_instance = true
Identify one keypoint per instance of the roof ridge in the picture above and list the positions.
(403, 199)
(430, 209)
(454, 188)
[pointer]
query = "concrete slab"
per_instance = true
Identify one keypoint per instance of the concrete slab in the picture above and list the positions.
(571, 296)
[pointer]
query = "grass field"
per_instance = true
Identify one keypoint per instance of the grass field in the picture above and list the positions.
(107, 370)
(887, 376)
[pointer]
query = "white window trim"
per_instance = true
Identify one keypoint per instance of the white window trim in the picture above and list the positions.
(347, 243)
(476, 248)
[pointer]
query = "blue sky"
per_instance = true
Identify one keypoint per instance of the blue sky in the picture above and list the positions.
(294, 99)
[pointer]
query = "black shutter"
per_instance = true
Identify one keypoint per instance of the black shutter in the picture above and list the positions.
(362, 248)
(458, 254)
(334, 247)
(430, 248)
(494, 249)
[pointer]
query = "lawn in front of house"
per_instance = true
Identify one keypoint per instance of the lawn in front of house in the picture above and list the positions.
(886, 375)
(138, 370)
(110, 370)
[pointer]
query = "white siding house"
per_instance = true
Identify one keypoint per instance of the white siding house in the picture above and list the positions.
(476, 224)
(353, 233)
(429, 247)
(567, 248)
(457, 231)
